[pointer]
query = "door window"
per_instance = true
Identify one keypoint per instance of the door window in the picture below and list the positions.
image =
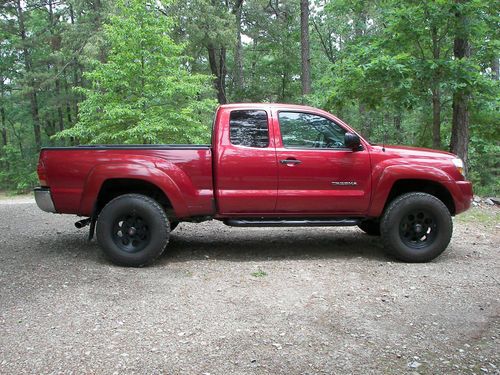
(249, 128)
(304, 130)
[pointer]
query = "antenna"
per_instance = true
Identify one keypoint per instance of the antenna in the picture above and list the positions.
(384, 141)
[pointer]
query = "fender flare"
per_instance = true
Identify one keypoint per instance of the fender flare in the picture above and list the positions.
(130, 170)
(388, 176)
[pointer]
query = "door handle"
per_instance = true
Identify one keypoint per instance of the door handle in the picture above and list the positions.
(290, 161)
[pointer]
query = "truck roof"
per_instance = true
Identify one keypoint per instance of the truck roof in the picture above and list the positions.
(272, 105)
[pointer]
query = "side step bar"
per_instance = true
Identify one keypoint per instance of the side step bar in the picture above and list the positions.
(291, 222)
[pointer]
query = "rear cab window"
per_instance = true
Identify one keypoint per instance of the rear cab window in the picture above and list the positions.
(249, 128)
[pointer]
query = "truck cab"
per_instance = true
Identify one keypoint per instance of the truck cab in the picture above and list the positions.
(288, 161)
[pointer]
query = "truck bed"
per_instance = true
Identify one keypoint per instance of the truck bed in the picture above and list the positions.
(74, 173)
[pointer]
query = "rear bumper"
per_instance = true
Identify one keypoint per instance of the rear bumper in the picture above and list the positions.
(44, 199)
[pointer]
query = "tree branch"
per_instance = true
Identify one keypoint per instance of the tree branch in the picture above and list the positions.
(328, 52)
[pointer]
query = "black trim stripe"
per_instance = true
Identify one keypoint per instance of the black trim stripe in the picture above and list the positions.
(131, 147)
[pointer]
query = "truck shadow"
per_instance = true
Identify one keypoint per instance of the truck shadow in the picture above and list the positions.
(218, 242)
(256, 244)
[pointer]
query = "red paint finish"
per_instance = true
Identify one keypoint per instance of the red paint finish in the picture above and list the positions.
(76, 176)
(246, 178)
(252, 181)
(407, 163)
(319, 184)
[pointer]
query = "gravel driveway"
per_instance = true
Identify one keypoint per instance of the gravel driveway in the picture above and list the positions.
(246, 301)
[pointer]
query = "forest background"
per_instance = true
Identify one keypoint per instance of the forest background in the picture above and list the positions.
(420, 73)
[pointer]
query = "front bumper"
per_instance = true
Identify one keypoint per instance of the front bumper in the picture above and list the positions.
(467, 195)
(44, 199)
(462, 194)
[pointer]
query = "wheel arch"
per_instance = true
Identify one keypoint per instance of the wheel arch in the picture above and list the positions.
(434, 188)
(108, 181)
(114, 187)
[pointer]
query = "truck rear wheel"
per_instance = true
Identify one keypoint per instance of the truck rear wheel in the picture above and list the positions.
(133, 230)
(416, 227)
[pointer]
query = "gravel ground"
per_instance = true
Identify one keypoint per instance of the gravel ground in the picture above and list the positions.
(246, 301)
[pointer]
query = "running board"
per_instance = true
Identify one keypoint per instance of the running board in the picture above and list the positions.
(291, 222)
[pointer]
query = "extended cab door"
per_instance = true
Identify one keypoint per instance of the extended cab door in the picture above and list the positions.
(246, 175)
(317, 173)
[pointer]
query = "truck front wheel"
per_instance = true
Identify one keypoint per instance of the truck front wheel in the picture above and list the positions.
(133, 230)
(416, 227)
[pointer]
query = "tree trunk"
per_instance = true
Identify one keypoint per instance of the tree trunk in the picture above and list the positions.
(76, 83)
(436, 92)
(71, 14)
(50, 130)
(56, 46)
(68, 103)
(304, 43)
(495, 68)
(460, 125)
(28, 68)
(436, 118)
(238, 63)
(217, 61)
(284, 80)
(223, 72)
(460, 122)
(254, 61)
(364, 122)
(359, 31)
(60, 118)
(397, 126)
(3, 127)
(73, 99)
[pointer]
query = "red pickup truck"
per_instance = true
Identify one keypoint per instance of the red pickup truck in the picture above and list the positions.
(268, 165)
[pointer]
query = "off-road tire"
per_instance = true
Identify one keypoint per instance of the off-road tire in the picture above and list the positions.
(410, 216)
(150, 229)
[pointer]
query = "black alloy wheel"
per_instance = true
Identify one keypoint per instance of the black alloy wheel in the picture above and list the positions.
(416, 227)
(131, 233)
(133, 230)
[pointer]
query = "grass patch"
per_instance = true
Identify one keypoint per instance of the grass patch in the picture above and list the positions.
(9, 194)
(487, 216)
(259, 273)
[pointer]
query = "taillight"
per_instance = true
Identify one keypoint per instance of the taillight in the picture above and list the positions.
(42, 174)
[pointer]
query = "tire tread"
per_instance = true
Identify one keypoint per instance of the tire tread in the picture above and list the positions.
(385, 227)
(159, 210)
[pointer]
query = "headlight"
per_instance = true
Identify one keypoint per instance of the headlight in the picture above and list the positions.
(459, 164)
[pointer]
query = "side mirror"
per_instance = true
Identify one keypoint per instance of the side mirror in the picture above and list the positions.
(351, 141)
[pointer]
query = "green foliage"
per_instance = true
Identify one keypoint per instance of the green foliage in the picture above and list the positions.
(259, 273)
(272, 59)
(395, 57)
(143, 71)
(475, 215)
(484, 169)
(17, 172)
(144, 92)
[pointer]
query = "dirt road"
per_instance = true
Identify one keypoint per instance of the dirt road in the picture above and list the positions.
(246, 301)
